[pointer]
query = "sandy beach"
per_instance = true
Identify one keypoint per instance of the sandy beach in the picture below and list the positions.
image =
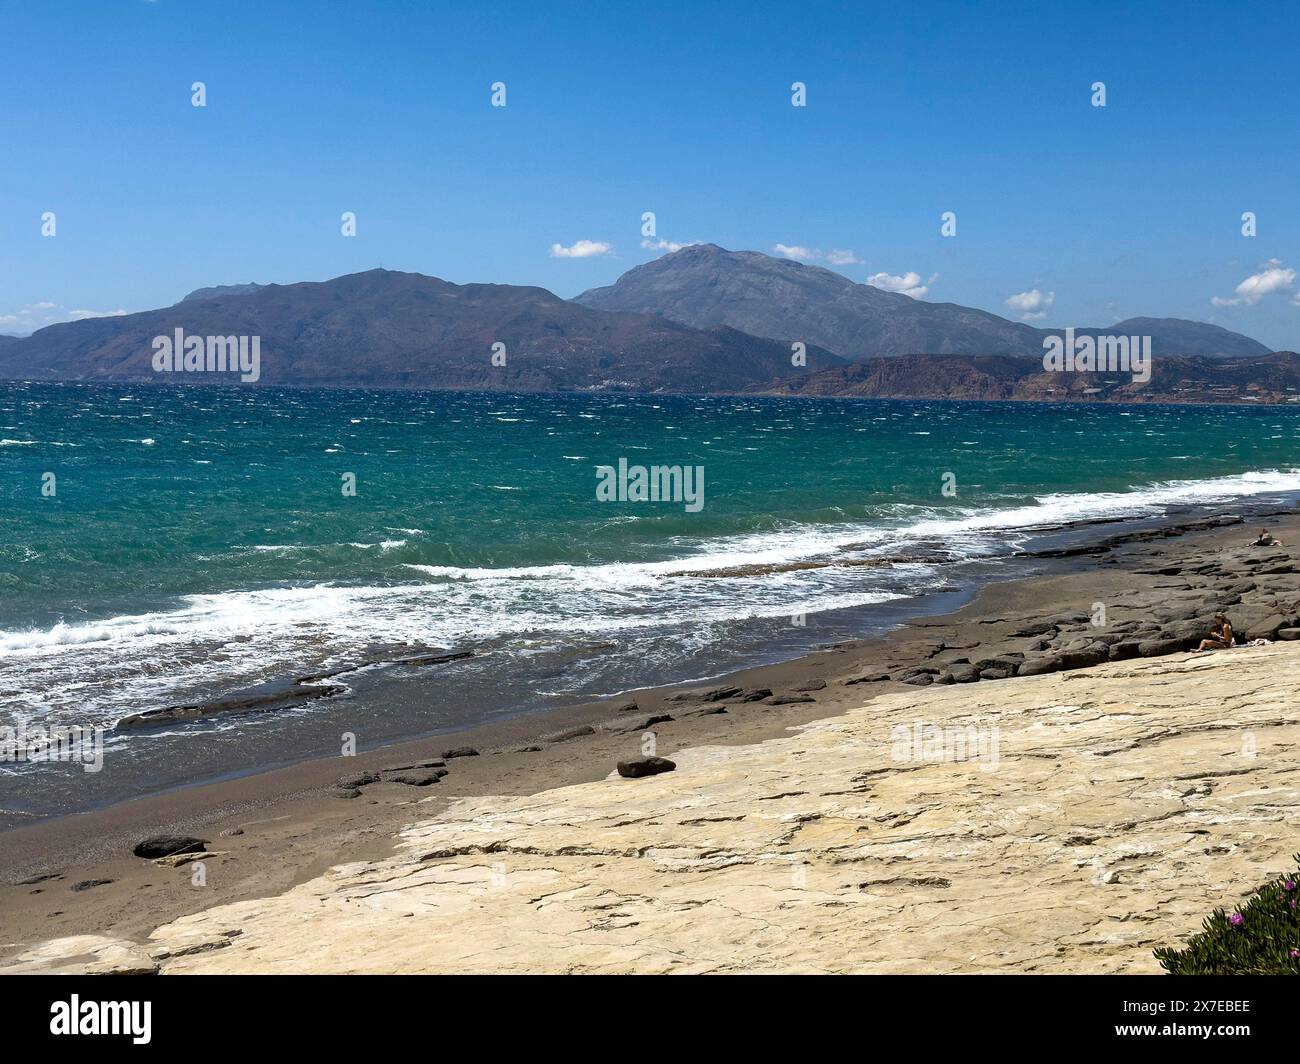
(1123, 788)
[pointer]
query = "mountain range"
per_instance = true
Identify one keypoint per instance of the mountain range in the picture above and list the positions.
(704, 285)
(385, 329)
(698, 320)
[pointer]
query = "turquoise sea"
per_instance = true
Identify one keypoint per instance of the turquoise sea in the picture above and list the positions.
(200, 540)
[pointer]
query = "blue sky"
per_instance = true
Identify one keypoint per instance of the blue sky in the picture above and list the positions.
(383, 108)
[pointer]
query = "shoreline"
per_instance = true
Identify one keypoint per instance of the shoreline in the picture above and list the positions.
(76, 874)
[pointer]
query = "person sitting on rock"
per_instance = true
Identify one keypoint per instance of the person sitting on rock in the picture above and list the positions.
(1266, 539)
(1220, 637)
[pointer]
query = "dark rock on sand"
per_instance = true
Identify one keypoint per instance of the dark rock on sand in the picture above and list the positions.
(345, 792)
(1004, 661)
(420, 777)
(1267, 628)
(569, 733)
(1039, 665)
(871, 677)
(810, 685)
(166, 845)
(1081, 658)
(1124, 650)
(357, 779)
(87, 884)
(1037, 628)
(626, 706)
(919, 679)
(230, 833)
(756, 694)
(995, 673)
(647, 722)
(1154, 648)
(645, 766)
(1288, 633)
(788, 699)
(459, 751)
(706, 694)
(964, 673)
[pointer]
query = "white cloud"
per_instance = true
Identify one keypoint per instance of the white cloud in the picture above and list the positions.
(35, 316)
(796, 252)
(909, 284)
(582, 249)
(667, 245)
(82, 315)
(836, 256)
(1032, 305)
(1271, 277)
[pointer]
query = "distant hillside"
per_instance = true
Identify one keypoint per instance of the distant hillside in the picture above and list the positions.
(385, 329)
(1273, 378)
(216, 291)
(705, 285)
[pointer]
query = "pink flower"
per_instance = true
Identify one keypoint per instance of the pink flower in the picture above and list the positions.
(1236, 919)
(1289, 884)
(1294, 953)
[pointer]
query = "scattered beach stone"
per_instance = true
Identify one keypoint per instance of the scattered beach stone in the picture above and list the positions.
(706, 694)
(1288, 633)
(871, 677)
(756, 694)
(995, 673)
(626, 706)
(1038, 628)
(1154, 648)
(1092, 654)
(645, 766)
(810, 685)
(230, 833)
(1267, 628)
(919, 679)
(1075, 617)
(1124, 650)
(41, 878)
(529, 750)
(87, 884)
(459, 751)
(569, 733)
(156, 846)
(964, 673)
(419, 777)
(345, 792)
(357, 779)
(1040, 665)
(787, 699)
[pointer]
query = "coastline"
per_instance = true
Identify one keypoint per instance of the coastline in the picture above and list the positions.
(76, 875)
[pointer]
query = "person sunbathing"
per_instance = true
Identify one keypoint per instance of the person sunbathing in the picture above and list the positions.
(1220, 637)
(1266, 539)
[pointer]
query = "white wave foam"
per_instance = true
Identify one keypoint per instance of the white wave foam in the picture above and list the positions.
(239, 637)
